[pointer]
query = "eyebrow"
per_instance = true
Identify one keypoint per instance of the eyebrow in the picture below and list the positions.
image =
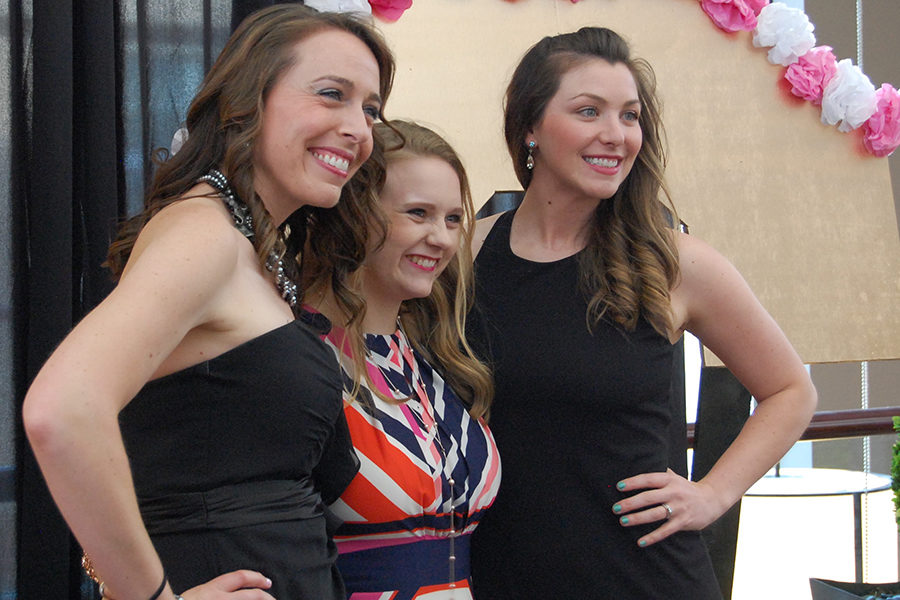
(373, 97)
(601, 99)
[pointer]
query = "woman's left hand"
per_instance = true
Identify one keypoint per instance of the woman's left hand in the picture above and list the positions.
(691, 505)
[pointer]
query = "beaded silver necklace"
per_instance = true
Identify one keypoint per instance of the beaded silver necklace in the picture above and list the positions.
(243, 220)
(431, 434)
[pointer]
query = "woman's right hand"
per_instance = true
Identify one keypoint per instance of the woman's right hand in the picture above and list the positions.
(236, 585)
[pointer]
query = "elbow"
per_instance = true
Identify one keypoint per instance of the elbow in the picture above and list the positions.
(40, 420)
(52, 422)
(811, 397)
(803, 401)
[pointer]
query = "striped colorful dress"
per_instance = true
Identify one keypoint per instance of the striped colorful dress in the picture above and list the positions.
(396, 541)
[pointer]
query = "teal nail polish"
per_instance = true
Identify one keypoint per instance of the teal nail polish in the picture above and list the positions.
(642, 543)
(624, 520)
(621, 485)
(617, 508)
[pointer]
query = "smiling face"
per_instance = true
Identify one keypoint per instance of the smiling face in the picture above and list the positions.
(589, 135)
(423, 202)
(317, 123)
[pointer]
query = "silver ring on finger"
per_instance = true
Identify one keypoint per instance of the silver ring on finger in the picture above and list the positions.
(668, 510)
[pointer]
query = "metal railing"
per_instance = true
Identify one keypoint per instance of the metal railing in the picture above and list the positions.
(835, 424)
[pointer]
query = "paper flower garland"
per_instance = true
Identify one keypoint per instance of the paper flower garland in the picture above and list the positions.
(811, 73)
(787, 30)
(732, 15)
(847, 96)
(882, 130)
(389, 10)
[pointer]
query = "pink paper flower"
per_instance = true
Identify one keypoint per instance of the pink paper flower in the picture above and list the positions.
(733, 15)
(882, 130)
(811, 73)
(389, 10)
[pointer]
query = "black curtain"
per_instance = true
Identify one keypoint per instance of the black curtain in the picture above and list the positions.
(90, 89)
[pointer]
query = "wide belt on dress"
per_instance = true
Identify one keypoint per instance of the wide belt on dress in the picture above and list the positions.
(237, 505)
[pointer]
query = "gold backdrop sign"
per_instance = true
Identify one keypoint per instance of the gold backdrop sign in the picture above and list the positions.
(802, 211)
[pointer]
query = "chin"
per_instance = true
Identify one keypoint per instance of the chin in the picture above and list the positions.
(413, 294)
(323, 200)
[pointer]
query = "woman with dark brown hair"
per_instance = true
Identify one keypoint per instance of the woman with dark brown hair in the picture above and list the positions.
(190, 425)
(580, 294)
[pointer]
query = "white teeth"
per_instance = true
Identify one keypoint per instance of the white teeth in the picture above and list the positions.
(428, 263)
(602, 162)
(339, 163)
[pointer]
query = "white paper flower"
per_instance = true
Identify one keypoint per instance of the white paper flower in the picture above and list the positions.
(178, 140)
(849, 98)
(340, 6)
(787, 30)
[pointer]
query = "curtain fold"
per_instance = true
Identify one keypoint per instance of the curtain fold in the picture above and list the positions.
(91, 89)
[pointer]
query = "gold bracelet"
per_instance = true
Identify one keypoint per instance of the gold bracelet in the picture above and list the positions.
(88, 565)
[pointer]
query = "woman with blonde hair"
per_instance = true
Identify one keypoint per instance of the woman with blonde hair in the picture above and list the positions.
(416, 398)
(190, 426)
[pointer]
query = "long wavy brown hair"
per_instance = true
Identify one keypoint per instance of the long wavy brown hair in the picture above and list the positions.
(630, 263)
(223, 123)
(435, 325)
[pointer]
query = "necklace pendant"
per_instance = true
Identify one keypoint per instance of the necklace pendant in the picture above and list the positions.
(283, 283)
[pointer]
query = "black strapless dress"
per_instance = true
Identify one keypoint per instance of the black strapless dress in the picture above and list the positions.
(234, 460)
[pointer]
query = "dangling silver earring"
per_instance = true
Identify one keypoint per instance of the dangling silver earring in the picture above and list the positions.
(529, 162)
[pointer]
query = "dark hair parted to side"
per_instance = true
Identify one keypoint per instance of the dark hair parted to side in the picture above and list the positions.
(435, 324)
(224, 121)
(631, 261)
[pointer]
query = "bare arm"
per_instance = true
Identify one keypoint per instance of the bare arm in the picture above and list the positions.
(714, 302)
(175, 281)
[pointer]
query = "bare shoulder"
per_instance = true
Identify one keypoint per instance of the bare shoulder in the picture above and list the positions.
(180, 277)
(482, 229)
(196, 233)
(707, 279)
(694, 253)
(187, 259)
(703, 270)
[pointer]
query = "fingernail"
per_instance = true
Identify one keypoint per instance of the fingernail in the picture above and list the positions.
(617, 508)
(621, 485)
(624, 520)
(642, 543)
(268, 581)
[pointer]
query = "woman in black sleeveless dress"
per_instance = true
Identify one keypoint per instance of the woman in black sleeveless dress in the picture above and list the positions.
(580, 294)
(190, 426)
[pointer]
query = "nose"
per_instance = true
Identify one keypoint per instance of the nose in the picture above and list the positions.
(356, 125)
(611, 131)
(439, 235)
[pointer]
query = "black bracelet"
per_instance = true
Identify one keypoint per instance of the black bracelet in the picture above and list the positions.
(162, 587)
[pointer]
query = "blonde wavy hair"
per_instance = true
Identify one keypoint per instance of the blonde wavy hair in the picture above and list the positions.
(435, 324)
(630, 263)
(224, 122)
